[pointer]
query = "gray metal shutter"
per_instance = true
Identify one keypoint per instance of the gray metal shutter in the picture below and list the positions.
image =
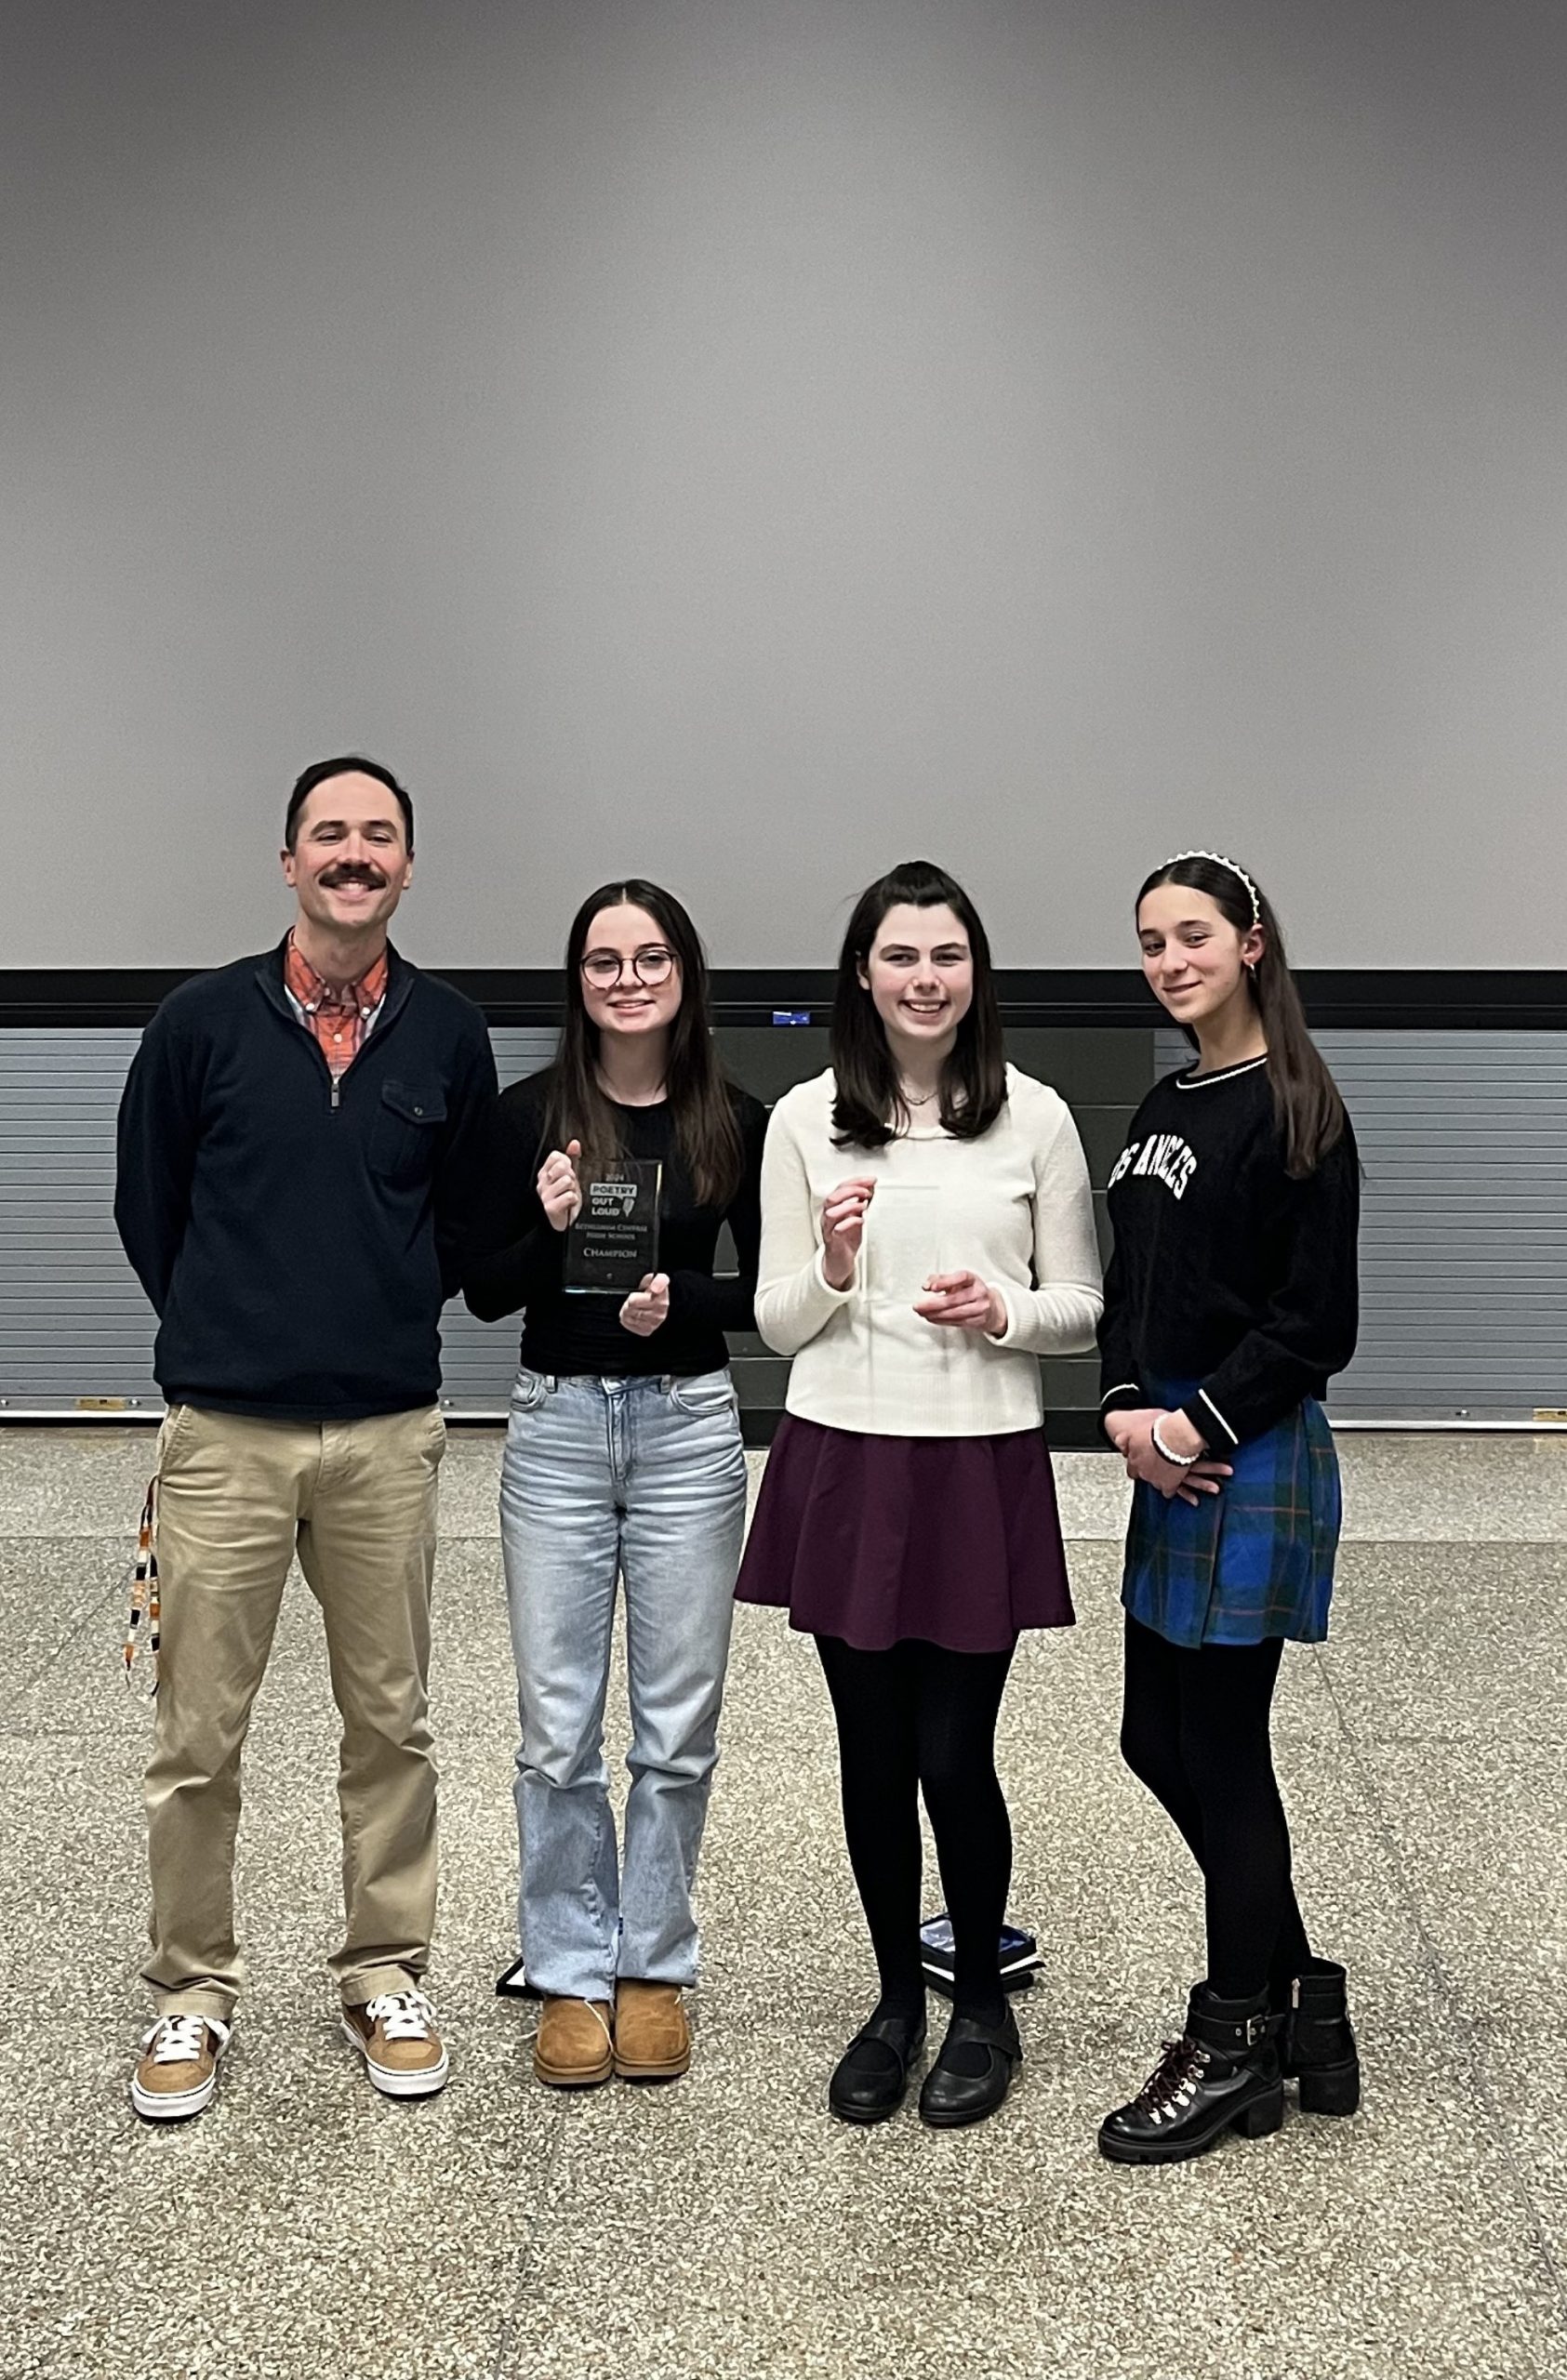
(73, 1323)
(479, 1360)
(1463, 1246)
(1464, 1230)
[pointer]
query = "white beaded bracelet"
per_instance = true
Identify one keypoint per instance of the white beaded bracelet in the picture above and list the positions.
(1181, 1461)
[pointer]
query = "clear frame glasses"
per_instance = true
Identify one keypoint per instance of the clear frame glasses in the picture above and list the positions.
(652, 965)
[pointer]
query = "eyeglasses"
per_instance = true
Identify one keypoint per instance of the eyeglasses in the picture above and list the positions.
(604, 969)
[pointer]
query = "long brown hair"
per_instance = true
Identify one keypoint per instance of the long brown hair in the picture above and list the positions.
(1306, 1100)
(702, 1106)
(869, 1110)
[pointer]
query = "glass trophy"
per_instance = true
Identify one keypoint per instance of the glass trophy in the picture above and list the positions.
(613, 1245)
(904, 1242)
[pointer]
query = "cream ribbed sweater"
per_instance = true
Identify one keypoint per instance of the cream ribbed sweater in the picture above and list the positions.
(1015, 1206)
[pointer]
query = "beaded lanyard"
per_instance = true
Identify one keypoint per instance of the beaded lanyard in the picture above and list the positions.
(145, 1604)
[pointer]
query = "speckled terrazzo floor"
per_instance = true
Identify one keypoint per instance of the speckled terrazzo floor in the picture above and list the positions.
(724, 2226)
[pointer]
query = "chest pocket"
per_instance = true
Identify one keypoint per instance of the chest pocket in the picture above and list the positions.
(405, 1135)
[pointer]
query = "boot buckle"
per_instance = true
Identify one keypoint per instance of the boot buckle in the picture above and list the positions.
(1257, 2028)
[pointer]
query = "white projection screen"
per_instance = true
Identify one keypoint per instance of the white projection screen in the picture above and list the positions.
(748, 442)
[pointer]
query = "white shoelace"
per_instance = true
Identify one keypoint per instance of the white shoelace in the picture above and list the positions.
(181, 2040)
(409, 2016)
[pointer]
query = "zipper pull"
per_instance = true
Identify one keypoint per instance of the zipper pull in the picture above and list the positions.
(335, 1089)
(1295, 1992)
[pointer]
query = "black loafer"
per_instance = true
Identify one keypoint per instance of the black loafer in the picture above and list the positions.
(871, 2080)
(973, 2074)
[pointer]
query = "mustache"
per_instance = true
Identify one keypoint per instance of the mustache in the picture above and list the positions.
(349, 874)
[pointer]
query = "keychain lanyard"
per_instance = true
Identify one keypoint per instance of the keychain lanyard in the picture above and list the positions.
(145, 1604)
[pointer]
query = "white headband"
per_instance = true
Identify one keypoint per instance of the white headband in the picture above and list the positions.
(1221, 861)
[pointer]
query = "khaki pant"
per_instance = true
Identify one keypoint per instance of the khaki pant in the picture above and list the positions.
(357, 1501)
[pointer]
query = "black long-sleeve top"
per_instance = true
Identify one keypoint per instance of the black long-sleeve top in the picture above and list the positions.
(515, 1260)
(1226, 1271)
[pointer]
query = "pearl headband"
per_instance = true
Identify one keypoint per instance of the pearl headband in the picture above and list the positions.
(1221, 861)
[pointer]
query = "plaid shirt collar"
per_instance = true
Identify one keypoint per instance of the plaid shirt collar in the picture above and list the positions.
(316, 997)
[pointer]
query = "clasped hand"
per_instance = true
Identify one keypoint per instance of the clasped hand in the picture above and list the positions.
(1132, 1436)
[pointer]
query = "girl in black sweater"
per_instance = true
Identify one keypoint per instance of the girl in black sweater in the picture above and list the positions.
(1229, 1301)
(624, 1470)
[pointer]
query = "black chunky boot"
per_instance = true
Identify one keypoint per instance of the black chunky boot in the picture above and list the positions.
(1221, 2075)
(871, 2080)
(1317, 2043)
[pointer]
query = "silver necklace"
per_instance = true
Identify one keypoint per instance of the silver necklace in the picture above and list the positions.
(916, 1099)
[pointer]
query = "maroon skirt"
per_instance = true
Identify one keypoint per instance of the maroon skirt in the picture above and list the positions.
(956, 1540)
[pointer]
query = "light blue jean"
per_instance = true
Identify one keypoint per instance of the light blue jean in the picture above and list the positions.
(643, 1480)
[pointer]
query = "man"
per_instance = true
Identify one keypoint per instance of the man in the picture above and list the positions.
(296, 1143)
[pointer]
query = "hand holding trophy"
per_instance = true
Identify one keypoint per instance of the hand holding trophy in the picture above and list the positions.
(560, 1192)
(842, 1228)
(647, 1308)
(963, 1301)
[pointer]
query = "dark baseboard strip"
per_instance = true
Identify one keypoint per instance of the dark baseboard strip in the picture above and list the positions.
(1396, 1000)
(1070, 1432)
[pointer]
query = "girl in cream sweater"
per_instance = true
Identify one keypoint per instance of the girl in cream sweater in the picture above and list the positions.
(927, 1232)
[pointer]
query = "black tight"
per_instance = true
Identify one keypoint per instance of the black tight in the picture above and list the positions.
(1195, 1729)
(918, 1718)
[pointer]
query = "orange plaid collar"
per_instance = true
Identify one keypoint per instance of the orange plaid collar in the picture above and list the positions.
(337, 1015)
(362, 996)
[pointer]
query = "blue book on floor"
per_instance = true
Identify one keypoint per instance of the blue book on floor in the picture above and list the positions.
(1020, 1955)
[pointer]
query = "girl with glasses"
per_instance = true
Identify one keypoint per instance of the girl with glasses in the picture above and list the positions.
(1229, 1301)
(623, 1461)
(927, 1234)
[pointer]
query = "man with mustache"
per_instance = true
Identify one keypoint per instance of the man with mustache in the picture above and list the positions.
(297, 1149)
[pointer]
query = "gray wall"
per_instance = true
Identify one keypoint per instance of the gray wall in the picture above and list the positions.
(750, 441)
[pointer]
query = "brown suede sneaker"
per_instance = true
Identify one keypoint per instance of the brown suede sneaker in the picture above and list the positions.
(176, 2073)
(573, 2046)
(652, 2037)
(395, 2035)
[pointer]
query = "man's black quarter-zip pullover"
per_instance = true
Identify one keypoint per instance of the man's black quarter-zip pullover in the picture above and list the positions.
(298, 1236)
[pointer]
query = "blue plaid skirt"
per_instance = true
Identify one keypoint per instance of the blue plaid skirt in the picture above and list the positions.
(1254, 1561)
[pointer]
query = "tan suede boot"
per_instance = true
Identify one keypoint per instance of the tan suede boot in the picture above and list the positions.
(573, 2046)
(652, 2037)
